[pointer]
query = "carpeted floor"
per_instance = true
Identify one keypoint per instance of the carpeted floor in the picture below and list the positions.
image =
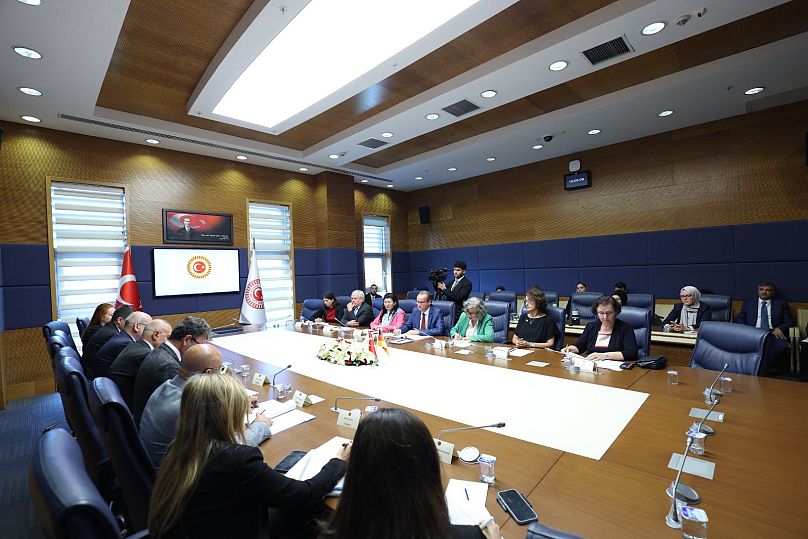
(21, 424)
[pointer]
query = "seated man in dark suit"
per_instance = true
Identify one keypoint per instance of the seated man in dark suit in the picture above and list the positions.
(132, 330)
(372, 294)
(357, 312)
(457, 290)
(163, 363)
(426, 319)
(771, 314)
(124, 369)
(101, 336)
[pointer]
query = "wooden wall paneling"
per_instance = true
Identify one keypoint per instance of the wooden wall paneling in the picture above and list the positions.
(26, 364)
(377, 201)
(335, 210)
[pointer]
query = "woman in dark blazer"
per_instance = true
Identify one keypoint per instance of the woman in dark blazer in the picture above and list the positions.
(101, 317)
(606, 337)
(688, 315)
(210, 485)
(330, 311)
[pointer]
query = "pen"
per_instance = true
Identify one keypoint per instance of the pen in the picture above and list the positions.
(467, 494)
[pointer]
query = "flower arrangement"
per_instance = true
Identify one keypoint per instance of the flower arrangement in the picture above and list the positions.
(346, 352)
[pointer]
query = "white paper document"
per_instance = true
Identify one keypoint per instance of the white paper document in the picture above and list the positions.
(466, 501)
(462, 344)
(537, 363)
(520, 352)
(313, 461)
(463, 352)
(284, 415)
(610, 364)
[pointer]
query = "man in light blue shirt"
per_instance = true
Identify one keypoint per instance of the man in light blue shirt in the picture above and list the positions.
(158, 425)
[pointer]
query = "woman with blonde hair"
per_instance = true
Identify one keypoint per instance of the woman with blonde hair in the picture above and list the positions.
(210, 485)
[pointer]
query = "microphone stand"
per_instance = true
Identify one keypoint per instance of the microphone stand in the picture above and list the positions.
(493, 426)
(277, 373)
(336, 408)
(707, 429)
(672, 518)
(709, 392)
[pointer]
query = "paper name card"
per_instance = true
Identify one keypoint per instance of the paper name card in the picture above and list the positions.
(301, 399)
(445, 450)
(693, 466)
(259, 379)
(349, 418)
(439, 344)
(586, 365)
(699, 413)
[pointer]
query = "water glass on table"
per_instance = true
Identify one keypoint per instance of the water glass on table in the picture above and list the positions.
(245, 371)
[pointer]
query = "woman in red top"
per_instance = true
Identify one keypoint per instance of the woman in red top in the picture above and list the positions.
(330, 311)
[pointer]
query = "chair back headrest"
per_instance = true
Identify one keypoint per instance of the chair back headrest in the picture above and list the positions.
(407, 305)
(720, 307)
(551, 297)
(447, 310)
(413, 294)
(640, 319)
(646, 301)
(582, 302)
(64, 327)
(500, 313)
(505, 296)
(344, 300)
(739, 345)
(66, 501)
(312, 303)
(378, 304)
(497, 308)
(557, 314)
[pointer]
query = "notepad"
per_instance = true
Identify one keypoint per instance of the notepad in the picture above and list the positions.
(284, 415)
(466, 501)
(313, 461)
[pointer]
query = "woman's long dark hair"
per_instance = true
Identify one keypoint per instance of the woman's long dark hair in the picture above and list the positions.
(395, 302)
(392, 487)
(330, 295)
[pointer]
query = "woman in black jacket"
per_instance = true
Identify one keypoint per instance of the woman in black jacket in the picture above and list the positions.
(210, 485)
(606, 337)
(330, 311)
(688, 315)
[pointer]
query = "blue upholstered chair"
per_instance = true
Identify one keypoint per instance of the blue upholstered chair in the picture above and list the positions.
(557, 314)
(646, 301)
(542, 531)
(81, 323)
(739, 345)
(48, 329)
(447, 309)
(73, 390)
(413, 294)
(310, 307)
(130, 461)
(57, 341)
(344, 300)
(65, 500)
(500, 312)
(378, 304)
(551, 297)
(507, 297)
(720, 307)
(641, 320)
(478, 294)
(407, 305)
(582, 302)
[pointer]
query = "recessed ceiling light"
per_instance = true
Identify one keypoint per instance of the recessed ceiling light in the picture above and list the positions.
(755, 90)
(538, 146)
(387, 134)
(432, 116)
(30, 2)
(489, 159)
(451, 169)
(30, 91)
(152, 141)
(488, 93)
(333, 156)
(665, 113)
(390, 185)
(27, 53)
(241, 157)
(559, 65)
(594, 131)
(419, 177)
(303, 169)
(32, 119)
(364, 180)
(653, 28)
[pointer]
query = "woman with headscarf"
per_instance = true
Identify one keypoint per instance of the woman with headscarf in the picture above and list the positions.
(688, 315)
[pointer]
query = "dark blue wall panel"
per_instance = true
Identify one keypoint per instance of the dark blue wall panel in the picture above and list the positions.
(2, 310)
(667, 281)
(619, 249)
(305, 262)
(341, 285)
(507, 256)
(401, 282)
(511, 279)
(636, 277)
(776, 242)
(400, 262)
(27, 306)
(336, 261)
(306, 287)
(691, 246)
(789, 277)
(561, 280)
(564, 253)
(142, 260)
(25, 264)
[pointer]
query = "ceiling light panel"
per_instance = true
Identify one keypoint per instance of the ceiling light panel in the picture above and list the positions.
(277, 73)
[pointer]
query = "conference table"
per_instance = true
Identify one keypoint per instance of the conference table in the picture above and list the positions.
(760, 449)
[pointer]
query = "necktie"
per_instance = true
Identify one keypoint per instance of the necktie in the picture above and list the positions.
(423, 320)
(764, 315)
(454, 283)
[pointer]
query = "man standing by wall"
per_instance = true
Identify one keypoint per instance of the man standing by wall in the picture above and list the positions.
(458, 290)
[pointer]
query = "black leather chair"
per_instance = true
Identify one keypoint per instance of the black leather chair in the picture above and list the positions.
(48, 329)
(741, 346)
(646, 301)
(447, 310)
(130, 461)
(500, 312)
(65, 500)
(582, 302)
(542, 531)
(73, 390)
(551, 297)
(557, 314)
(56, 342)
(81, 323)
(310, 307)
(407, 305)
(507, 297)
(720, 307)
(413, 294)
(641, 320)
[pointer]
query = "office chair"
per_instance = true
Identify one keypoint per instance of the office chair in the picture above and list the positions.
(344, 300)
(310, 307)
(413, 294)
(447, 310)
(551, 297)
(741, 346)
(81, 323)
(378, 304)
(130, 461)
(646, 301)
(65, 500)
(640, 319)
(407, 305)
(56, 342)
(60, 325)
(557, 314)
(720, 307)
(582, 302)
(507, 297)
(500, 312)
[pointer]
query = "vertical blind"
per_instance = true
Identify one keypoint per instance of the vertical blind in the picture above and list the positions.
(88, 224)
(376, 233)
(271, 232)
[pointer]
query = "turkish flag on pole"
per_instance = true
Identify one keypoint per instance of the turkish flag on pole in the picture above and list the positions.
(252, 307)
(127, 285)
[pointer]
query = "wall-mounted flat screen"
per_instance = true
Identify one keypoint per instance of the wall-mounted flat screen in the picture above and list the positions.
(195, 271)
(577, 180)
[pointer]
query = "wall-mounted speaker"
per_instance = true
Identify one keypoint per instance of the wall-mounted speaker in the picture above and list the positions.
(423, 213)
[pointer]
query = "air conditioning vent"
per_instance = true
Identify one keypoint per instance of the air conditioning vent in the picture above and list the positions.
(460, 108)
(372, 143)
(606, 51)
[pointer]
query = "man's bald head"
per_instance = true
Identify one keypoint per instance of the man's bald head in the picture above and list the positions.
(200, 358)
(157, 332)
(136, 323)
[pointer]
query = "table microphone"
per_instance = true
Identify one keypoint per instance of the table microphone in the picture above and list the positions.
(493, 426)
(336, 408)
(277, 373)
(709, 391)
(470, 453)
(672, 519)
(707, 429)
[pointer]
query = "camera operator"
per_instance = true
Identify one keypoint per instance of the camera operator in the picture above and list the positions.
(457, 290)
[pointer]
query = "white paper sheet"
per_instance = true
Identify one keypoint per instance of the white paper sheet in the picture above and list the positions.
(610, 364)
(313, 461)
(520, 352)
(537, 363)
(593, 417)
(289, 420)
(469, 510)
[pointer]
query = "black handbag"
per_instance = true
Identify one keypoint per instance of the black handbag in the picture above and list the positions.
(652, 362)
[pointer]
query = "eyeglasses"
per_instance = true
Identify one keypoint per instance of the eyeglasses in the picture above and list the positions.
(607, 314)
(684, 296)
(419, 301)
(197, 342)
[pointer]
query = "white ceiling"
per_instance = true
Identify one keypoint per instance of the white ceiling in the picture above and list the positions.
(77, 39)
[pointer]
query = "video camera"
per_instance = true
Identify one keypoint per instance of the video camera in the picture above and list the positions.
(437, 276)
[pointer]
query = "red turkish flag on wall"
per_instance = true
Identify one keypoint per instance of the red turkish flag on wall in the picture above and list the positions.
(127, 285)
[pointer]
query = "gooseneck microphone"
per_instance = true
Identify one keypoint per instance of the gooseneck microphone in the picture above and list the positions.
(707, 429)
(493, 426)
(709, 392)
(672, 519)
(336, 401)
(277, 373)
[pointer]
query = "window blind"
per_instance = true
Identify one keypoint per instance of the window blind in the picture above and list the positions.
(271, 233)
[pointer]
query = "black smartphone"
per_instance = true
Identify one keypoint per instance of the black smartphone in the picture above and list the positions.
(517, 505)
(289, 460)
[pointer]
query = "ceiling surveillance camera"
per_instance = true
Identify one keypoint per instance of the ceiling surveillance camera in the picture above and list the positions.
(547, 138)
